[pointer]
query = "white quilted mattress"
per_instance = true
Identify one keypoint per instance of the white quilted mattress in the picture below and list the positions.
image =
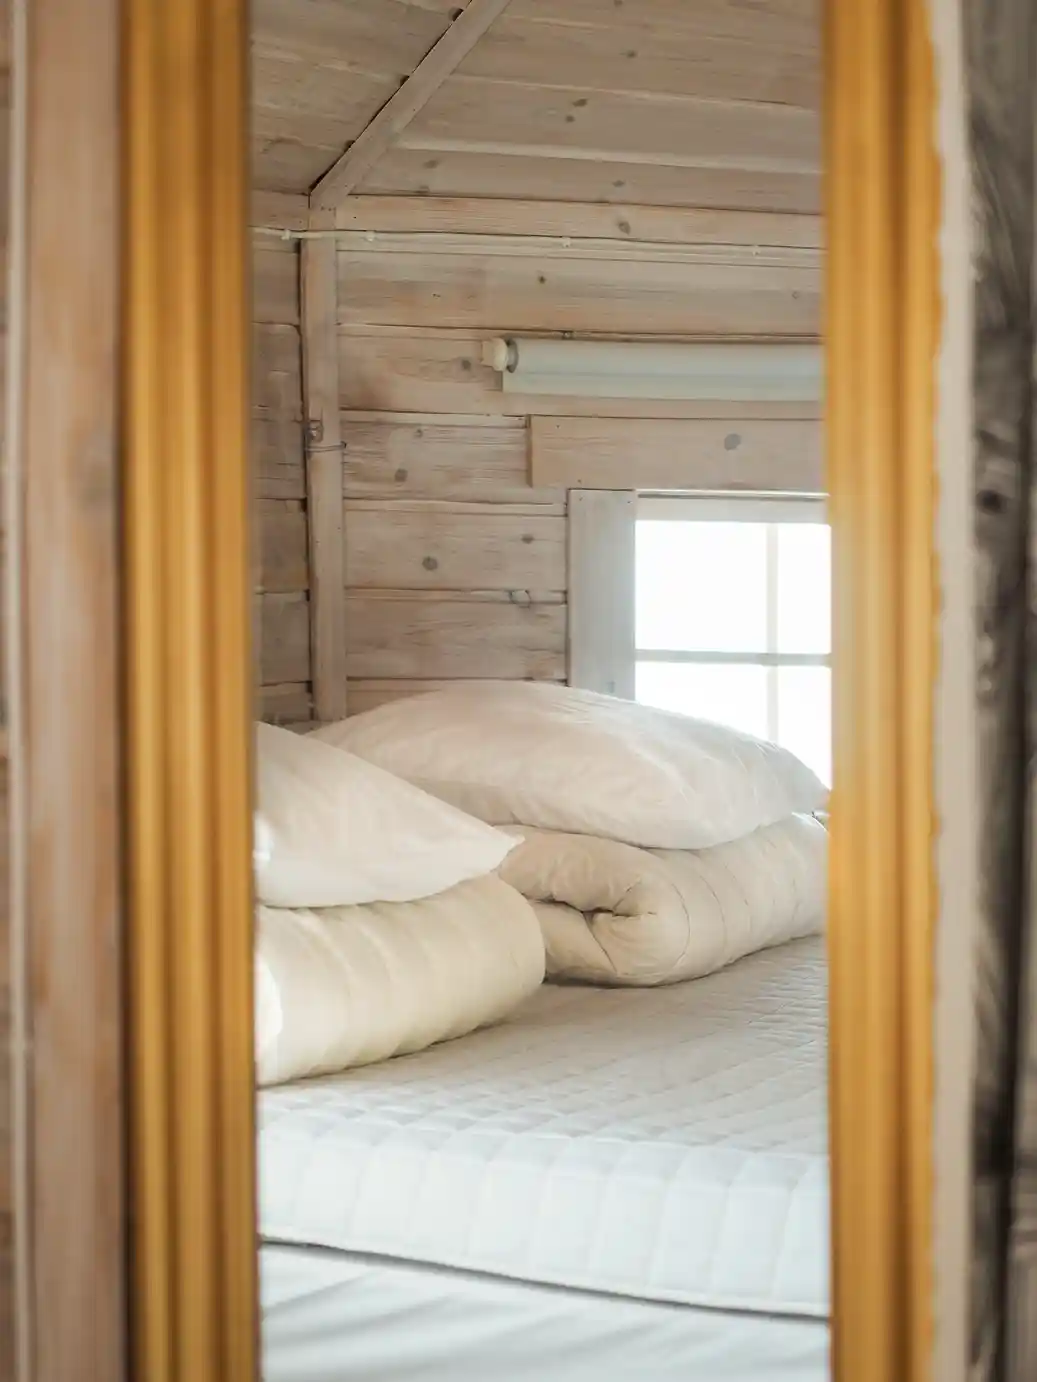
(666, 1145)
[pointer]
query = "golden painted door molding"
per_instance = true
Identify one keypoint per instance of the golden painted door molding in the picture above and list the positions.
(188, 678)
(883, 326)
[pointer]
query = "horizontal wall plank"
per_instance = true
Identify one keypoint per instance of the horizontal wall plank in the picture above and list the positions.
(779, 23)
(443, 373)
(313, 105)
(678, 131)
(282, 534)
(450, 551)
(275, 284)
(617, 454)
(439, 460)
(282, 164)
(654, 224)
(276, 372)
(285, 210)
(277, 458)
(290, 704)
(615, 58)
(494, 292)
(458, 173)
(382, 37)
(368, 695)
(523, 598)
(446, 639)
(458, 507)
(285, 621)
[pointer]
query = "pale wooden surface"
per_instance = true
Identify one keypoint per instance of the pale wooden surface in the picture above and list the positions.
(66, 866)
(601, 592)
(282, 565)
(624, 171)
(625, 222)
(459, 559)
(323, 447)
(458, 637)
(408, 456)
(747, 454)
(467, 173)
(655, 102)
(404, 105)
(479, 283)
(322, 71)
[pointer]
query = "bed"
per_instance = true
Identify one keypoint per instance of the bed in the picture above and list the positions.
(611, 1185)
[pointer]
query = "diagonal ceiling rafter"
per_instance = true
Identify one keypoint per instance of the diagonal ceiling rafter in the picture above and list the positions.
(415, 93)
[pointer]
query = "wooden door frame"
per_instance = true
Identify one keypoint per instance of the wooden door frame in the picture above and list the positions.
(127, 501)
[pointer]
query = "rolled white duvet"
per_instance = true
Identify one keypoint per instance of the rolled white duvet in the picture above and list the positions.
(346, 986)
(615, 914)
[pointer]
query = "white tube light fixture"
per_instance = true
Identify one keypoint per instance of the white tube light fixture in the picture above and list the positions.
(714, 371)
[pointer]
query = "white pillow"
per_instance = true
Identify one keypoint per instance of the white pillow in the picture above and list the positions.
(332, 830)
(347, 986)
(532, 753)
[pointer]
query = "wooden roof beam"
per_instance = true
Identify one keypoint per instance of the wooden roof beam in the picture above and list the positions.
(415, 93)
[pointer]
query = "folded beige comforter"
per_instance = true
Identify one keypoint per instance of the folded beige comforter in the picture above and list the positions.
(338, 987)
(615, 914)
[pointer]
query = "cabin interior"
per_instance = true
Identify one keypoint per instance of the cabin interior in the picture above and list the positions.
(536, 422)
(638, 172)
(536, 415)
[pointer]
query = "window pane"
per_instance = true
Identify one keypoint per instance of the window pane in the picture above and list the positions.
(804, 588)
(805, 716)
(702, 587)
(735, 696)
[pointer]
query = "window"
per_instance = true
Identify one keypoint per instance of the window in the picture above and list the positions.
(733, 607)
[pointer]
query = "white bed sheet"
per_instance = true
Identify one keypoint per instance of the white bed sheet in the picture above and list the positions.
(332, 1317)
(665, 1145)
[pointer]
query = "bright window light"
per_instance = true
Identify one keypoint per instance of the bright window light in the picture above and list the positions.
(733, 617)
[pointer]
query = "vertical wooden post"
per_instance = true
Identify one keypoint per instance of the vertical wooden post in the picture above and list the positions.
(324, 487)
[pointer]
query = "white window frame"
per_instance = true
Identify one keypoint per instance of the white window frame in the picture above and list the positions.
(770, 510)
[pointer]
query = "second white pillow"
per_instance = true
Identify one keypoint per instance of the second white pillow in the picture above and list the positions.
(336, 831)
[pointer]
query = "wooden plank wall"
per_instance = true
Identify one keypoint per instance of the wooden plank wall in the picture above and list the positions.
(456, 566)
(282, 634)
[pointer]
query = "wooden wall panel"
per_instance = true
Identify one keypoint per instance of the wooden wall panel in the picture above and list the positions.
(680, 131)
(475, 173)
(453, 549)
(275, 281)
(597, 454)
(657, 225)
(277, 436)
(321, 71)
(288, 704)
(282, 537)
(757, 65)
(407, 456)
(279, 486)
(661, 291)
(407, 638)
(285, 631)
(459, 555)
